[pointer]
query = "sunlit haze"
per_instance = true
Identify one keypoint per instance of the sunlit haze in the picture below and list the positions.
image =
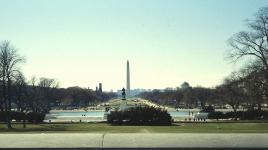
(167, 42)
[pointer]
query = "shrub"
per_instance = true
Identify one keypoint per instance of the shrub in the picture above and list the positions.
(265, 115)
(230, 115)
(254, 115)
(140, 116)
(18, 116)
(2, 116)
(216, 115)
(35, 117)
(242, 115)
(208, 109)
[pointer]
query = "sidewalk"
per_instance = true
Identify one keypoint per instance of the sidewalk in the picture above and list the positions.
(133, 140)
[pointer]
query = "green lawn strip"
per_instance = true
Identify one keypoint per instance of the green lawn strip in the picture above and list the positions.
(106, 128)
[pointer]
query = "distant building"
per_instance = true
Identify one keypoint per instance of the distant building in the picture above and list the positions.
(97, 89)
(100, 87)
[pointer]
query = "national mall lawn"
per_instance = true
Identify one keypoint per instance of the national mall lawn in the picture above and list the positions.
(189, 127)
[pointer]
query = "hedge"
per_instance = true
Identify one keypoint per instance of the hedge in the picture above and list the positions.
(20, 116)
(242, 115)
(35, 117)
(140, 116)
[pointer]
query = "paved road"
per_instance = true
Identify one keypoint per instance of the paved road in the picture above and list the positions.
(131, 140)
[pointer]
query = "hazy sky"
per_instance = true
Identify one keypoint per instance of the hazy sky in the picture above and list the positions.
(84, 42)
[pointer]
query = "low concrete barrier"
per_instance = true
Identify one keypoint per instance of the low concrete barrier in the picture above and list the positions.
(134, 140)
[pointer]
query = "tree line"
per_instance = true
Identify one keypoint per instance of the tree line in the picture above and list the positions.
(37, 95)
(184, 96)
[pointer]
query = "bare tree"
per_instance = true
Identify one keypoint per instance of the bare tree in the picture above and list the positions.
(253, 43)
(254, 84)
(231, 92)
(20, 88)
(9, 67)
(32, 94)
(40, 92)
(2, 100)
(46, 88)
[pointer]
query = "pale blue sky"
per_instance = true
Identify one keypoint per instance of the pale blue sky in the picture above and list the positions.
(83, 42)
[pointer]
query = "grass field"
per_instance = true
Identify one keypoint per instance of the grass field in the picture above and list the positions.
(176, 128)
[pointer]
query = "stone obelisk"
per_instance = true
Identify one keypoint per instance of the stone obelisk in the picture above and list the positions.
(128, 80)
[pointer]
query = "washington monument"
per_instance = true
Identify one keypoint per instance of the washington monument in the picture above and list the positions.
(128, 80)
